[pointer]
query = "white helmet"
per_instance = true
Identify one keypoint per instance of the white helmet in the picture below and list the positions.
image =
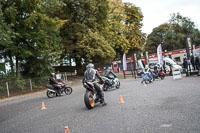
(90, 65)
(52, 75)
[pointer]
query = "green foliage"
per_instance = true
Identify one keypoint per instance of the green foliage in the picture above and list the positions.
(20, 83)
(173, 34)
(124, 31)
(5, 34)
(37, 33)
(83, 33)
(95, 47)
(133, 23)
(36, 40)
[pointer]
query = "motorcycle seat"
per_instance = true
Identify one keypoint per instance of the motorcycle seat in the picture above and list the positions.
(90, 84)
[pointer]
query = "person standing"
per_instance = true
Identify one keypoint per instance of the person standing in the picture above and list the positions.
(196, 62)
(185, 64)
(192, 61)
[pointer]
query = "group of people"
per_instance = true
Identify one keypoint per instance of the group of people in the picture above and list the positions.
(149, 76)
(194, 61)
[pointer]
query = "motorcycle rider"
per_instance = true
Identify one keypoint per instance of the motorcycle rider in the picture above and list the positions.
(91, 75)
(109, 74)
(54, 83)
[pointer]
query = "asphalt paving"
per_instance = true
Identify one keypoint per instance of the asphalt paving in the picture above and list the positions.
(164, 106)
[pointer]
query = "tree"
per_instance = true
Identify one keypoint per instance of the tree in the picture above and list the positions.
(133, 23)
(36, 35)
(83, 37)
(173, 34)
(6, 43)
(124, 31)
(115, 32)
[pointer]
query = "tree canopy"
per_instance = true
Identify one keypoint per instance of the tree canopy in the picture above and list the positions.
(173, 34)
(34, 34)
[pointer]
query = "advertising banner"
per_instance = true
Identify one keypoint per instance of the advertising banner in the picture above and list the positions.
(189, 46)
(159, 53)
(146, 57)
(124, 62)
(135, 61)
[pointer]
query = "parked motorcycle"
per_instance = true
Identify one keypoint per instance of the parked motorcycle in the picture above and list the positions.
(158, 75)
(52, 92)
(111, 83)
(91, 97)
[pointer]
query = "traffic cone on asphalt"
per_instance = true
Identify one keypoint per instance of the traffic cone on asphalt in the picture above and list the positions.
(121, 99)
(66, 129)
(43, 106)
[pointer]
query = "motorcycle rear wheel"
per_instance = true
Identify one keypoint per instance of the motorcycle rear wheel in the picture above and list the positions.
(68, 90)
(89, 100)
(50, 94)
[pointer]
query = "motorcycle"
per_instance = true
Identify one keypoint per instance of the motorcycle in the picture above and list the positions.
(52, 92)
(91, 97)
(111, 83)
(158, 75)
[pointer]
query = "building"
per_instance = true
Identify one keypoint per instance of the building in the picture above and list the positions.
(176, 55)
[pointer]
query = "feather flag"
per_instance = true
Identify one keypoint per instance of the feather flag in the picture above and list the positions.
(159, 53)
(124, 62)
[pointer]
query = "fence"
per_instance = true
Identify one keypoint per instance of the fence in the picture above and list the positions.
(12, 87)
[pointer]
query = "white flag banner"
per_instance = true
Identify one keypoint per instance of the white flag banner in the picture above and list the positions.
(124, 62)
(159, 53)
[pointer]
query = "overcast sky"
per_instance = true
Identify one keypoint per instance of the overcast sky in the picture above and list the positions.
(157, 12)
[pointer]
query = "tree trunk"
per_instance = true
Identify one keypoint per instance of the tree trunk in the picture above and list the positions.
(17, 66)
(79, 67)
(11, 64)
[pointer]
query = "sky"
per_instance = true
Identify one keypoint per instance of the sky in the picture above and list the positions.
(157, 12)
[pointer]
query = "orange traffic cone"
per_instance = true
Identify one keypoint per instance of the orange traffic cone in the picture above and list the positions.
(66, 129)
(43, 106)
(121, 99)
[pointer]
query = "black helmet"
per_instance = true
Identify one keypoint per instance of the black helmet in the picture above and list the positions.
(52, 75)
(90, 65)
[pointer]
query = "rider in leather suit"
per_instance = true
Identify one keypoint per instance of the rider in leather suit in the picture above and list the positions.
(110, 75)
(54, 83)
(91, 75)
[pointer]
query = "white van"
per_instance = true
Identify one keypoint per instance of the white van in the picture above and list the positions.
(168, 61)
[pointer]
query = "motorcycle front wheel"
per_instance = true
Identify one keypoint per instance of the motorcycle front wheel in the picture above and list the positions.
(162, 77)
(68, 90)
(50, 94)
(89, 100)
(118, 85)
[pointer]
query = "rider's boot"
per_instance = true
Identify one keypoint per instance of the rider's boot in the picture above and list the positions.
(59, 92)
(103, 103)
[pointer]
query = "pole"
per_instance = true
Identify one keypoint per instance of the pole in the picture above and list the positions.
(7, 89)
(65, 76)
(31, 85)
(124, 74)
